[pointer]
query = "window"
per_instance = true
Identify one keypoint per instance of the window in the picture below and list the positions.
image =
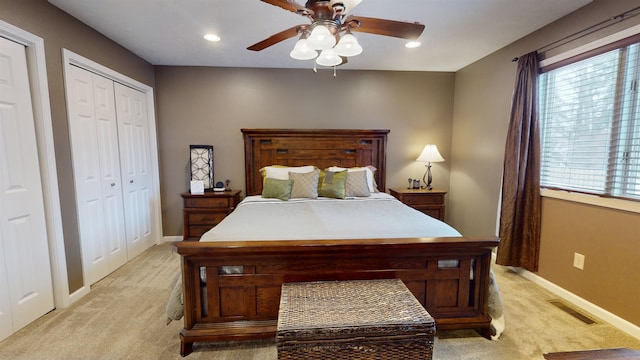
(590, 123)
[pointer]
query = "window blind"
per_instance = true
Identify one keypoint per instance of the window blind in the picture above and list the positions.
(590, 124)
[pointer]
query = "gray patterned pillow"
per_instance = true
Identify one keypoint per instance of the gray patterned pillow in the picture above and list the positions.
(305, 185)
(357, 184)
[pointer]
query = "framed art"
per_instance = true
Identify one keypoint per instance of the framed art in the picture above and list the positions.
(201, 158)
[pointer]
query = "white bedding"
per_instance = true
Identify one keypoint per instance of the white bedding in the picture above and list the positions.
(378, 216)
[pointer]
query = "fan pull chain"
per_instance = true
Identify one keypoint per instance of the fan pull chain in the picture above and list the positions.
(315, 70)
(334, 72)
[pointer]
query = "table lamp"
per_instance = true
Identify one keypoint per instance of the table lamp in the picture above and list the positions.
(428, 155)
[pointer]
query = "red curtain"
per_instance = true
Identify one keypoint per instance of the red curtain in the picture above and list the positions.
(520, 210)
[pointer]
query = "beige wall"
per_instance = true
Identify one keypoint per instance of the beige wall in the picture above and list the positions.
(481, 114)
(608, 239)
(201, 105)
(59, 30)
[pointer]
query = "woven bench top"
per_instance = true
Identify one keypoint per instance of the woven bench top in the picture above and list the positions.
(350, 303)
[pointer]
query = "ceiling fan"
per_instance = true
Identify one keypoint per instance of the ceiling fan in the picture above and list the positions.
(329, 30)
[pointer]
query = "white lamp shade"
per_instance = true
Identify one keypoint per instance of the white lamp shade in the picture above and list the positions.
(328, 57)
(302, 51)
(321, 38)
(348, 46)
(430, 153)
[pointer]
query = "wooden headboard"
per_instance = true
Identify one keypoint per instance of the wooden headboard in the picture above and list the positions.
(319, 147)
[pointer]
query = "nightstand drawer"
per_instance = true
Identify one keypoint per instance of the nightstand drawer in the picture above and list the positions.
(430, 202)
(205, 218)
(206, 203)
(415, 199)
(197, 230)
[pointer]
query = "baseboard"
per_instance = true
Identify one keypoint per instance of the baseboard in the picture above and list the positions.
(78, 294)
(171, 238)
(581, 303)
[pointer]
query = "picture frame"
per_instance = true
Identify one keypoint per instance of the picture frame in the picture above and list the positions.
(201, 164)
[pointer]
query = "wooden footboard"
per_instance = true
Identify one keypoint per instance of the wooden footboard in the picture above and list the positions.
(449, 276)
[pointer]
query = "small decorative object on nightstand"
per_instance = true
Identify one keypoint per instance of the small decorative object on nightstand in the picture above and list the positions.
(204, 211)
(430, 202)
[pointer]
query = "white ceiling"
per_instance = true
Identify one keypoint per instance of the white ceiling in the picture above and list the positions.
(170, 32)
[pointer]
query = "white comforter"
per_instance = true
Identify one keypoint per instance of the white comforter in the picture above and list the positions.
(378, 216)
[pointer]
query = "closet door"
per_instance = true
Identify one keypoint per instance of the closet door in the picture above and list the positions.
(26, 290)
(135, 162)
(94, 141)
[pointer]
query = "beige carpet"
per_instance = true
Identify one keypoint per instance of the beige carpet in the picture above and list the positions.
(123, 318)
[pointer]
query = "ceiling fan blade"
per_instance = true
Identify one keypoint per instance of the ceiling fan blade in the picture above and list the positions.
(399, 29)
(348, 4)
(276, 38)
(290, 5)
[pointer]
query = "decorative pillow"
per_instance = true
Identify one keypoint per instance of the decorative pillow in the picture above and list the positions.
(277, 189)
(332, 184)
(282, 172)
(305, 185)
(357, 184)
(371, 182)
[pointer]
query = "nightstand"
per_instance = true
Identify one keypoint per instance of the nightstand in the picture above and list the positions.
(203, 211)
(430, 202)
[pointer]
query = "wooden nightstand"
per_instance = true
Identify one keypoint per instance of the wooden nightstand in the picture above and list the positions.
(203, 211)
(430, 202)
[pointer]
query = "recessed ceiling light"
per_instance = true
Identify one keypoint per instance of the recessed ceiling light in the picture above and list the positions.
(412, 44)
(212, 37)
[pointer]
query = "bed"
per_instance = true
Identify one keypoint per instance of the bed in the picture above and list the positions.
(231, 278)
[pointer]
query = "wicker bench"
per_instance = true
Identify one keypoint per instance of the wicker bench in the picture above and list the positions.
(359, 319)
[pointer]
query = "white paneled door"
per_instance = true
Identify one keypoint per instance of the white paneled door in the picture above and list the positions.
(94, 141)
(135, 162)
(26, 291)
(112, 170)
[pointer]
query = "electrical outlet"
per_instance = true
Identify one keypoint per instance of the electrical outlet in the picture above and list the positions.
(578, 261)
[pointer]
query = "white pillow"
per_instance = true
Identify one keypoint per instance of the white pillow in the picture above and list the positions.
(370, 180)
(282, 172)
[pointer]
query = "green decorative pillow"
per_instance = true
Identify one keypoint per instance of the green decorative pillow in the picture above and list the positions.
(332, 184)
(277, 189)
(305, 185)
(357, 184)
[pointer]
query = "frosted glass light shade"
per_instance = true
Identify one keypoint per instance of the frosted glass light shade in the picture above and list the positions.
(302, 51)
(328, 57)
(321, 38)
(430, 153)
(348, 46)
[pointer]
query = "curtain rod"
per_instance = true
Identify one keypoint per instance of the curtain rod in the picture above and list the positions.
(591, 29)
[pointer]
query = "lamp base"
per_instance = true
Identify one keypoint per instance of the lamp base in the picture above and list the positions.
(427, 181)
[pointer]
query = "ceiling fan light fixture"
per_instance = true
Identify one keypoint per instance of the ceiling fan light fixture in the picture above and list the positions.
(348, 46)
(412, 44)
(329, 57)
(302, 51)
(321, 38)
(212, 37)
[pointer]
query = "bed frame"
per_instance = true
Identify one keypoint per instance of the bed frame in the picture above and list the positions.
(245, 306)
